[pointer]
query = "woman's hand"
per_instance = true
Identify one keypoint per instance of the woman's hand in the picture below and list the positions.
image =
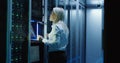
(40, 37)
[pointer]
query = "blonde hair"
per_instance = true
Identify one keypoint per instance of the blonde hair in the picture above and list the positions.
(59, 13)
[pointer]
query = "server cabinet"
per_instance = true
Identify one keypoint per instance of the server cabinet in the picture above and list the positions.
(18, 18)
(36, 47)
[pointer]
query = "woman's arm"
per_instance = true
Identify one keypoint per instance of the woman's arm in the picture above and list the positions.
(54, 36)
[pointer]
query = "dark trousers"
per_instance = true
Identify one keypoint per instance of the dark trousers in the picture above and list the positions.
(57, 57)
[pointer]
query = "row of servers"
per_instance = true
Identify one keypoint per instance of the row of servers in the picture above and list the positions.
(17, 31)
(25, 20)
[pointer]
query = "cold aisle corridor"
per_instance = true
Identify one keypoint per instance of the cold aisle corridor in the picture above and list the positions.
(27, 20)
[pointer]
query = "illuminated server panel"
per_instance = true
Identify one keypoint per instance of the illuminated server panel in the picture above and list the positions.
(19, 31)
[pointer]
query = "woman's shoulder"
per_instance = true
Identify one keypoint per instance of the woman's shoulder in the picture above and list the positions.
(58, 26)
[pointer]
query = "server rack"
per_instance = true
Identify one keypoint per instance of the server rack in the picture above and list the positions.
(75, 19)
(18, 20)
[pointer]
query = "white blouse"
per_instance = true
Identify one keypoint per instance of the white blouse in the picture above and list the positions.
(58, 37)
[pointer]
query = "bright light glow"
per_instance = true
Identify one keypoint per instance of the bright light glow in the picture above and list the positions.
(37, 32)
(95, 12)
(95, 1)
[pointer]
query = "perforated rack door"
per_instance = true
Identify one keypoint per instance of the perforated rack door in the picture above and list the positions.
(19, 32)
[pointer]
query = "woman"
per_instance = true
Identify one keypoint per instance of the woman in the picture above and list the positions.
(58, 37)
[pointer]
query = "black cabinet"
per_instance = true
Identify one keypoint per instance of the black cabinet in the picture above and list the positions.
(37, 47)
